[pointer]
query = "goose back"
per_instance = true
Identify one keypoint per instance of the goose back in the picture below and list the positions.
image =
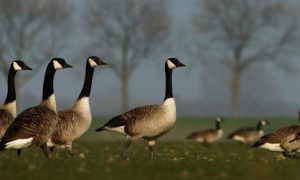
(246, 135)
(37, 123)
(207, 135)
(150, 121)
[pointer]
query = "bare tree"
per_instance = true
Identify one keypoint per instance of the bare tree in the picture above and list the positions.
(127, 32)
(31, 30)
(238, 33)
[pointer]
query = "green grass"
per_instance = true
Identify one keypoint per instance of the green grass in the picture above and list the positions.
(97, 157)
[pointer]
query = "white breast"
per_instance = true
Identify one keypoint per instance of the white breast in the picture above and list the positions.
(261, 133)
(169, 108)
(220, 133)
(164, 122)
(83, 107)
(11, 107)
(50, 102)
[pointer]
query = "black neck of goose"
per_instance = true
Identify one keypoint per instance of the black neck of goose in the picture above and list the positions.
(169, 90)
(218, 125)
(87, 86)
(48, 82)
(259, 126)
(11, 90)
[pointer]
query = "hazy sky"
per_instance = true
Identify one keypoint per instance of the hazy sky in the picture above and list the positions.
(148, 82)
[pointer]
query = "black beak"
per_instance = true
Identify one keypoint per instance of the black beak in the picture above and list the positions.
(180, 65)
(67, 66)
(27, 68)
(99, 63)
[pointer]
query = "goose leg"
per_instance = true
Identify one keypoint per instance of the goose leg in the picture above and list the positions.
(51, 149)
(287, 154)
(70, 150)
(127, 144)
(151, 145)
(45, 150)
(19, 153)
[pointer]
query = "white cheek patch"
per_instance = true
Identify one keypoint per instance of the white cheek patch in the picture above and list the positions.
(92, 63)
(17, 67)
(57, 65)
(171, 65)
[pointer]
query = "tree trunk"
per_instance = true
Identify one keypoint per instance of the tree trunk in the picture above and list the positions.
(124, 91)
(235, 92)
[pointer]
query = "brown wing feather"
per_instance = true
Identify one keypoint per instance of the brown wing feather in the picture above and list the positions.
(37, 122)
(280, 134)
(132, 115)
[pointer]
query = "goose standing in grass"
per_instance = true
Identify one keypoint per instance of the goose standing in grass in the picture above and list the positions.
(74, 122)
(148, 122)
(282, 140)
(249, 134)
(209, 135)
(8, 111)
(35, 125)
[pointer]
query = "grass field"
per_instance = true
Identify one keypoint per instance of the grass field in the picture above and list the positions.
(97, 157)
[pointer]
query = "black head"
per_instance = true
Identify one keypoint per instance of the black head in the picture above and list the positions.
(19, 65)
(219, 119)
(95, 61)
(59, 63)
(173, 63)
(264, 122)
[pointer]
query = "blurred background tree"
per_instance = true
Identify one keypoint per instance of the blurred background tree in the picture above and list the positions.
(32, 31)
(127, 32)
(238, 33)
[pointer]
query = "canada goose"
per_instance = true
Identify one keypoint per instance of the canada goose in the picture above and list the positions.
(249, 134)
(208, 135)
(148, 122)
(282, 140)
(8, 111)
(74, 122)
(35, 125)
